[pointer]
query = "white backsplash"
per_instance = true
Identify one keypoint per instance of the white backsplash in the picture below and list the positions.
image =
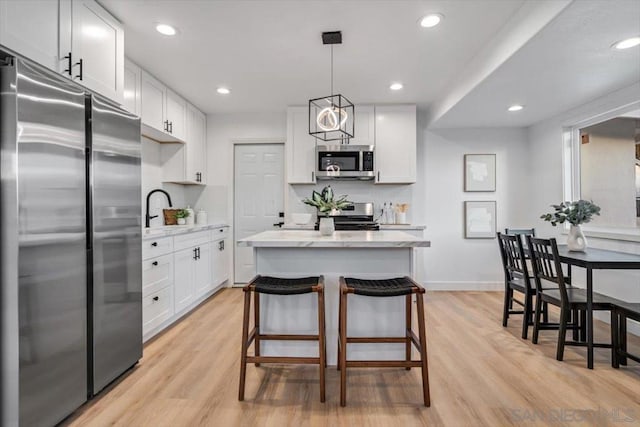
(358, 191)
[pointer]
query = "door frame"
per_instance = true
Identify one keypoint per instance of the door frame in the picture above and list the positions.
(252, 141)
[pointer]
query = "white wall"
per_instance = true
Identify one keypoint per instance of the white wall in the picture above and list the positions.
(454, 262)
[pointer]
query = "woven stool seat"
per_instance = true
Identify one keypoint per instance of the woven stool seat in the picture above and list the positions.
(380, 288)
(280, 286)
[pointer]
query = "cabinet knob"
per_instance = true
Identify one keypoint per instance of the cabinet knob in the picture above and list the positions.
(156, 298)
(154, 244)
(155, 263)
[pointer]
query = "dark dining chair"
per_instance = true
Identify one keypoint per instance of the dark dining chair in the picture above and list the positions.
(547, 268)
(516, 278)
(625, 311)
(522, 231)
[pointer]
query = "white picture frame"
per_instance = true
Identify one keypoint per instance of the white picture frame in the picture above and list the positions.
(479, 173)
(480, 219)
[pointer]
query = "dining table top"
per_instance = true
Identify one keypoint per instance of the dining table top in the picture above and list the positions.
(599, 258)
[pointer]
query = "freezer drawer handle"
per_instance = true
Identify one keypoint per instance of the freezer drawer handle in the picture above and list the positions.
(155, 263)
(156, 298)
(154, 244)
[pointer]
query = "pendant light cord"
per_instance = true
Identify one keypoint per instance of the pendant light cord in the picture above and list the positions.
(331, 71)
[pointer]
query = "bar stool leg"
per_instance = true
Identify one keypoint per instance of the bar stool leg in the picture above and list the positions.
(423, 350)
(256, 322)
(408, 330)
(343, 352)
(615, 345)
(321, 343)
(245, 338)
(622, 327)
(339, 329)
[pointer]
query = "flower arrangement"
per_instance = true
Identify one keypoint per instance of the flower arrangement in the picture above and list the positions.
(575, 213)
(325, 201)
(182, 213)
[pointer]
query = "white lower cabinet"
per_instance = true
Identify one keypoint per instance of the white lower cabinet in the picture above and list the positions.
(180, 272)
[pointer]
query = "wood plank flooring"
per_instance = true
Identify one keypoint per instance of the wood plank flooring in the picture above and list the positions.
(481, 375)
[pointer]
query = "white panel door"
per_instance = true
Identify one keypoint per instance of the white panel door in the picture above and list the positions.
(98, 41)
(395, 155)
(196, 145)
(132, 83)
(152, 106)
(176, 115)
(301, 147)
(184, 265)
(259, 198)
(30, 27)
(202, 270)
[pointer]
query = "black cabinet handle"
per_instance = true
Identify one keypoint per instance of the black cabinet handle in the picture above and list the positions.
(154, 244)
(69, 68)
(170, 127)
(79, 75)
(156, 298)
(378, 176)
(195, 253)
(166, 125)
(154, 263)
(222, 245)
(198, 252)
(313, 176)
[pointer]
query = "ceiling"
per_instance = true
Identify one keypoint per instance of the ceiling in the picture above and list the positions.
(270, 53)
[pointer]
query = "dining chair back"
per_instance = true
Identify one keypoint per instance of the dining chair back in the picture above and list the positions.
(546, 265)
(513, 256)
(523, 231)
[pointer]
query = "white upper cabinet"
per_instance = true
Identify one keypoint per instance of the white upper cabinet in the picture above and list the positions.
(300, 147)
(132, 90)
(185, 163)
(176, 114)
(31, 29)
(77, 38)
(395, 153)
(152, 105)
(98, 49)
(364, 125)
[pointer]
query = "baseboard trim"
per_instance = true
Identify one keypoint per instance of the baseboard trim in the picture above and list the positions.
(464, 286)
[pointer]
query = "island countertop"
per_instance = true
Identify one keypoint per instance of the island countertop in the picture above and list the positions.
(339, 239)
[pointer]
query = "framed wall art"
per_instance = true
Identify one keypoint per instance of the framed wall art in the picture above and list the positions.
(479, 172)
(480, 219)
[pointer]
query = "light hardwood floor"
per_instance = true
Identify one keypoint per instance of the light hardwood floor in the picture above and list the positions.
(481, 375)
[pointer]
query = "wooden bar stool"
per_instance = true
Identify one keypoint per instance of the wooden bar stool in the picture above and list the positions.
(280, 286)
(383, 288)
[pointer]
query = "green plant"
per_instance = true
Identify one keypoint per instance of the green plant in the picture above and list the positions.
(325, 201)
(574, 213)
(182, 213)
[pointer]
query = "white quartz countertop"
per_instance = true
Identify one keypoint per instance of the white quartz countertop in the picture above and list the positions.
(172, 230)
(291, 226)
(339, 239)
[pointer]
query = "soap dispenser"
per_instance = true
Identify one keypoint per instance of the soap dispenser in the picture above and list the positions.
(191, 216)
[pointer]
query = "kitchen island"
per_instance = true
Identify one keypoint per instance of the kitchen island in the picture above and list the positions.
(363, 254)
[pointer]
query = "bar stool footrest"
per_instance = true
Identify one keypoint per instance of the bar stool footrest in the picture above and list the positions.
(279, 359)
(383, 363)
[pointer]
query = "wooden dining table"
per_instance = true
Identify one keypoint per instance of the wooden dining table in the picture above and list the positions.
(596, 259)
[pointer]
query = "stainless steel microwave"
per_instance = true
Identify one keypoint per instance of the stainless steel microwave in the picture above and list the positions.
(344, 162)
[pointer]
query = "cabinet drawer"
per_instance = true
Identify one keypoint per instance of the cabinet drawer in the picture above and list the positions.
(219, 233)
(190, 240)
(156, 308)
(157, 273)
(152, 248)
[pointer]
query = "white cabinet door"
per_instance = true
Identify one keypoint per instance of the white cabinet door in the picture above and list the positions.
(221, 256)
(183, 283)
(196, 145)
(176, 113)
(364, 125)
(300, 147)
(30, 27)
(132, 82)
(97, 44)
(152, 105)
(395, 154)
(202, 270)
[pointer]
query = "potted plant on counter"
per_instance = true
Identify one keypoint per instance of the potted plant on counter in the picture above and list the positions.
(326, 204)
(575, 213)
(181, 216)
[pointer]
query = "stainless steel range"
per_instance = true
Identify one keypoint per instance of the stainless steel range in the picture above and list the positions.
(357, 216)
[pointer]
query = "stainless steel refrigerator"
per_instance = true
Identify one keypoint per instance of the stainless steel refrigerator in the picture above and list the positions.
(70, 251)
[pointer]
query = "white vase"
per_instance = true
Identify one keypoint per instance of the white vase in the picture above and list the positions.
(327, 227)
(182, 221)
(576, 242)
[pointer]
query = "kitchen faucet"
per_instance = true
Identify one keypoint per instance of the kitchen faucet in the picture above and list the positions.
(148, 217)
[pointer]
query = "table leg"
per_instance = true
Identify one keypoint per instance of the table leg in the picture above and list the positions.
(589, 318)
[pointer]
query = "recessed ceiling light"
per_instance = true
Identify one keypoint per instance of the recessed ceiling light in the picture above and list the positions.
(396, 86)
(165, 29)
(431, 20)
(515, 107)
(627, 43)
(223, 91)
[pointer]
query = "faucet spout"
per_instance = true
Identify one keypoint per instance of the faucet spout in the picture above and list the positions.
(148, 217)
